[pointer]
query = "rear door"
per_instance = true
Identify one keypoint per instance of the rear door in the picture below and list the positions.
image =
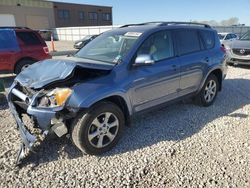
(193, 59)
(157, 83)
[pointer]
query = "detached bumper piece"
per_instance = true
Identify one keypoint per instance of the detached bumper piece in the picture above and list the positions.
(41, 117)
(28, 140)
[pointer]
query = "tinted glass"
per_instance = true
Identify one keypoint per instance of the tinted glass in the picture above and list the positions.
(188, 41)
(81, 15)
(8, 41)
(63, 14)
(93, 16)
(208, 39)
(221, 37)
(106, 16)
(158, 45)
(29, 38)
(234, 36)
(228, 37)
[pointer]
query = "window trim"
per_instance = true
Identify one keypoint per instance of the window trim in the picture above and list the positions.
(30, 32)
(79, 15)
(63, 16)
(177, 42)
(132, 60)
(104, 14)
(89, 13)
(202, 40)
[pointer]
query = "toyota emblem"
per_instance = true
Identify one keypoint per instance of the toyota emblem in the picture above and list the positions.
(242, 51)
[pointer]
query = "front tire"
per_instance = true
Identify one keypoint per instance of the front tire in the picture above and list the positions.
(99, 129)
(209, 91)
(23, 64)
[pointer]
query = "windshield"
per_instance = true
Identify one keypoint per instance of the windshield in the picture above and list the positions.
(87, 37)
(109, 48)
(246, 36)
(221, 36)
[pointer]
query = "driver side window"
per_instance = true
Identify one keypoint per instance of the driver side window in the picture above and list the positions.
(228, 37)
(159, 46)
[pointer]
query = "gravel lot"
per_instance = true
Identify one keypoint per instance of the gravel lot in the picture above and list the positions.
(182, 145)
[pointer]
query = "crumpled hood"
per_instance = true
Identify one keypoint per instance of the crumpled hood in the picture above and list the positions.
(47, 71)
(238, 44)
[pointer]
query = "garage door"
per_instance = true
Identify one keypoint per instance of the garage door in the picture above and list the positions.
(7, 20)
(37, 22)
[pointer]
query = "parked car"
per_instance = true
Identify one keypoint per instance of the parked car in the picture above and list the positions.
(239, 51)
(224, 37)
(19, 48)
(121, 73)
(81, 43)
(45, 34)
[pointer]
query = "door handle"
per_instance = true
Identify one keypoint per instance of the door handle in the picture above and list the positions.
(206, 59)
(174, 67)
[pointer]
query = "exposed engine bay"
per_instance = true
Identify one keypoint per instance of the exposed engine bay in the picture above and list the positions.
(44, 100)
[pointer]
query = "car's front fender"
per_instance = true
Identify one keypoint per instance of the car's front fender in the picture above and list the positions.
(87, 94)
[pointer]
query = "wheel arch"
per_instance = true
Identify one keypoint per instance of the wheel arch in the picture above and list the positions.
(218, 73)
(21, 59)
(121, 103)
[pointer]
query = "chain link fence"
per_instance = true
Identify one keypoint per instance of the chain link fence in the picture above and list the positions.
(76, 33)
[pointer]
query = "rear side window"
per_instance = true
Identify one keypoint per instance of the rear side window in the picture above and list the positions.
(28, 38)
(208, 39)
(188, 41)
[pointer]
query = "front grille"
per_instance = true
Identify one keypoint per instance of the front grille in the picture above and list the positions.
(25, 90)
(241, 52)
(240, 60)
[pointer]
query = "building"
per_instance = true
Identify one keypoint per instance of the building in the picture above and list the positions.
(70, 15)
(35, 14)
(40, 14)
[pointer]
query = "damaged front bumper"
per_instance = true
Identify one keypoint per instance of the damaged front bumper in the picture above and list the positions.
(46, 120)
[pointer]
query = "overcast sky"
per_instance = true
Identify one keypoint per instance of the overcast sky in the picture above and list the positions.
(134, 11)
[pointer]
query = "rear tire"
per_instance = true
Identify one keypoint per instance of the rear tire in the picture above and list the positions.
(23, 64)
(99, 129)
(209, 91)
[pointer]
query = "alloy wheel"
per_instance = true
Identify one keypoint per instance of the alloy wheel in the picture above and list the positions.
(103, 130)
(210, 91)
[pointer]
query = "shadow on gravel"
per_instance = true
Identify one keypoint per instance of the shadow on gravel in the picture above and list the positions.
(182, 120)
(241, 66)
(52, 149)
(3, 102)
(173, 123)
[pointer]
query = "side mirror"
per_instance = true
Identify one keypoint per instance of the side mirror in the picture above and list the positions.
(144, 59)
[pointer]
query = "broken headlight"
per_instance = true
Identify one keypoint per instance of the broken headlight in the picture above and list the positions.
(55, 98)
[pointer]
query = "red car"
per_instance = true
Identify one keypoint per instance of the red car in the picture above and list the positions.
(20, 47)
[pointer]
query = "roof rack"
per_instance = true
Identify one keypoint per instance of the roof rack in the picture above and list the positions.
(168, 23)
(11, 27)
(128, 25)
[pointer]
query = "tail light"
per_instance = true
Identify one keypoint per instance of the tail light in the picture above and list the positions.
(223, 49)
(46, 50)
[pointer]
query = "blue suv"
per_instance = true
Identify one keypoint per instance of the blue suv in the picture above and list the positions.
(93, 94)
